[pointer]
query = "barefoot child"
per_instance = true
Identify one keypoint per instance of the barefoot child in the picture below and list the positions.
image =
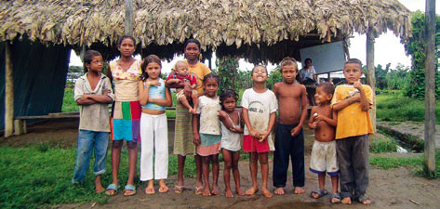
(209, 137)
(93, 92)
(182, 75)
(352, 102)
(289, 138)
(154, 97)
(323, 160)
(231, 139)
(259, 113)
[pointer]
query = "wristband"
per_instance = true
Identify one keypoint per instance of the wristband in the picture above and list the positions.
(348, 100)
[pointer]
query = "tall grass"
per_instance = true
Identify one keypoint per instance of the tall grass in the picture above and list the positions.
(39, 176)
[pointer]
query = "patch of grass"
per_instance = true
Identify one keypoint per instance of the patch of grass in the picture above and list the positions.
(40, 176)
(383, 145)
(388, 163)
(69, 103)
(396, 107)
(417, 163)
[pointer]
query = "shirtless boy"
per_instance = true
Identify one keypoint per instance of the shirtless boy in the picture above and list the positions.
(181, 75)
(323, 159)
(289, 138)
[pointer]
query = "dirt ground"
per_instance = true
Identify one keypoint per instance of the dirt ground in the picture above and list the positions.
(394, 188)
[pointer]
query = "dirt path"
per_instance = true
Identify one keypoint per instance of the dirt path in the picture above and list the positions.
(394, 188)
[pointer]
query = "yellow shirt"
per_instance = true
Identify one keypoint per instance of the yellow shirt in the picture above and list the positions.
(199, 70)
(352, 121)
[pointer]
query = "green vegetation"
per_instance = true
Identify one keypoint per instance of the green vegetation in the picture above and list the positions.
(396, 107)
(39, 176)
(69, 104)
(415, 47)
(417, 163)
(383, 145)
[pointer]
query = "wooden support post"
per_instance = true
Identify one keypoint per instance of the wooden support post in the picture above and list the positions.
(128, 29)
(18, 124)
(371, 77)
(9, 91)
(430, 87)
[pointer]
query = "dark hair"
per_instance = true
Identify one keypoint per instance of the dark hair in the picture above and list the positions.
(305, 61)
(125, 37)
(211, 76)
(252, 72)
(228, 93)
(355, 61)
(88, 56)
(192, 40)
(327, 87)
(147, 60)
(288, 61)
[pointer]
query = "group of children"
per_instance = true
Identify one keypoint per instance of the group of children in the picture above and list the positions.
(139, 116)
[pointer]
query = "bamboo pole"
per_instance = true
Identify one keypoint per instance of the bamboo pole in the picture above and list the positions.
(430, 87)
(371, 77)
(9, 92)
(128, 29)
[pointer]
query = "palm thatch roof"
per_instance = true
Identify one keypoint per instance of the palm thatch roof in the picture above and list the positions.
(256, 29)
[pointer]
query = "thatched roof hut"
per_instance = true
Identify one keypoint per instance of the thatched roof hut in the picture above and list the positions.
(257, 30)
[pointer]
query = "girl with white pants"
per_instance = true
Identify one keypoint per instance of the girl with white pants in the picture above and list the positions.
(154, 97)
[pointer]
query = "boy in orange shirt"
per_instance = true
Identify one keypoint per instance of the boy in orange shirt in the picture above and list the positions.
(352, 102)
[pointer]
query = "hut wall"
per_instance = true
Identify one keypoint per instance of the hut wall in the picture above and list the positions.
(39, 76)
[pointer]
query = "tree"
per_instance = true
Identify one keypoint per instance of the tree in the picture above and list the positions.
(415, 47)
(227, 72)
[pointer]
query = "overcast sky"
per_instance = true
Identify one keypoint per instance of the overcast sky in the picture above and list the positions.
(387, 48)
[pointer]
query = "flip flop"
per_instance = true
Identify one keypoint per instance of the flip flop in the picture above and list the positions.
(112, 187)
(199, 190)
(163, 189)
(178, 189)
(129, 187)
(319, 192)
(336, 196)
(149, 190)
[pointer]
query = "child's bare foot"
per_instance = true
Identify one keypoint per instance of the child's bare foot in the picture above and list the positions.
(239, 191)
(364, 200)
(299, 190)
(252, 190)
(228, 193)
(215, 190)
(98, 186)
(279, 191)
(206, 191)
(266, 193)
(346, 200)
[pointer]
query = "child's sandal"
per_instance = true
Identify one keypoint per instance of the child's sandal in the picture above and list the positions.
(110, 188)
(318, 192)
(129, 190)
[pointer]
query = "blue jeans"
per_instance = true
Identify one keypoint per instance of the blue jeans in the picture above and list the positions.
(88, 140)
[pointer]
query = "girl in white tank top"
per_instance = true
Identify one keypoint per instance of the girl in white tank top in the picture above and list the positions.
(232, 134)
